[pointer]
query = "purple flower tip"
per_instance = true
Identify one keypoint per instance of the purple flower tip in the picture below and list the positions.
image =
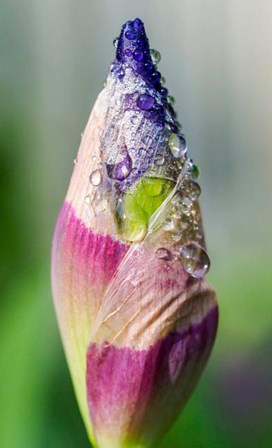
(133, 51)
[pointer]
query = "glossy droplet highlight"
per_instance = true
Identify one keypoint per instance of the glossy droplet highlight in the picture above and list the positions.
(138, 55)
(120, 170)
(164, 254)
(194, 191)
(195, 259)
(177, 145)
(96, 178)
(88, 199)
(145, 101)
(115, 42)
(160, 160)
(155, 56)
(130, 35)
(147, 139)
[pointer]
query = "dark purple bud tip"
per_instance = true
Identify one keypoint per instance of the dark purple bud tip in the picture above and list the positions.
(133, 51)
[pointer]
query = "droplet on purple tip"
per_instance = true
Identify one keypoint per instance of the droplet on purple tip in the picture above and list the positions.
(120, 170)
(138, 55)
(128, 52)
(130, 35)
(138, 24)
(145, 101)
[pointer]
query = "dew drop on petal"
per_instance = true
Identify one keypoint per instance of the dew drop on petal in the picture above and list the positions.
(194, 191)
(147, 139)
(96, 178)
(177, 145)
(168, 225)
(195, 259)
(120, 170)
(171, 99)
(134, 119)
(164, 254)
(130, 35)
(138, 55)
(160, 160)
(115, 42)
(145, 101)
(155, 56)
(87, 199)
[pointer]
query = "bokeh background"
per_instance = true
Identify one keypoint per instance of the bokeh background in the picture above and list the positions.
(217, 59)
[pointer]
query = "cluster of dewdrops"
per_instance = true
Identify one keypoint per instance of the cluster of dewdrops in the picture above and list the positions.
(183, 220)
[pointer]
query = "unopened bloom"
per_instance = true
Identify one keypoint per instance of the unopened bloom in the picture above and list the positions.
(137, 319)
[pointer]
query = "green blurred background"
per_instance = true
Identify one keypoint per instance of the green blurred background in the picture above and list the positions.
(217, 59)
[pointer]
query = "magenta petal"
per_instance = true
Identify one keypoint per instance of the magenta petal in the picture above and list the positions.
(134, 395)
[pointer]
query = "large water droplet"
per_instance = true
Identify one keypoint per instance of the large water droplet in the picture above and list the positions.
(195, 259)
(145, 101)
(194, 191)
(96, 178)
(177, 145)
(155, 56)
(120, 170)
(164, 254)
(88, 199)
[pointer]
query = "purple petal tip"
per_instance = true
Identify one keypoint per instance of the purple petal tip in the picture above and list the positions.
(133, 51)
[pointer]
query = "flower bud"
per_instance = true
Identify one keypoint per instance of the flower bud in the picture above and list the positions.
(137, 319)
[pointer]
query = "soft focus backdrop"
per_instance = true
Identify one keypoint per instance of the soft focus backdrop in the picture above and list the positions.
(217, 59)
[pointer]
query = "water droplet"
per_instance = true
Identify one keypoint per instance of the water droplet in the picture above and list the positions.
(156, 76)
(134, 119)
(177, 145)
(188, 165)
(115, 42)
(195, 259)
(195, 172)
(160, 160)
(94, 158)
(96, 178)
(120, 170)
(147, 139)
(130, 35)
(168, 225)
(87, 199)
(194, 191)
(155, 56)
(171, 99)
(145, 101)
(75, 161)
(164, 254)
(138, 55)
